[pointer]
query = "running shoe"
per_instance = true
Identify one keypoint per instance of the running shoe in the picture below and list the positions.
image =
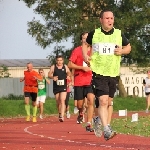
(34, 119)
(28, 118)
(61, 119)
(146, 111)
(89, 128)
(76, 110)
(112, 129)
(97, 127)
(80, 119)
(68, 115)
(41, 117)
(109, 134)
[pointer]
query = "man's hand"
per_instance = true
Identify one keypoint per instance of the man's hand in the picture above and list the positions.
(87, 59)
(86, 69)
(118, 51)
(21, 79)
(55, 78)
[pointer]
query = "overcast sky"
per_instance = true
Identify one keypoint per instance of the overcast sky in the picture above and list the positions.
(15, 42)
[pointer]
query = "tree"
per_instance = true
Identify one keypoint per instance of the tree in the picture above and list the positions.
(68, 18)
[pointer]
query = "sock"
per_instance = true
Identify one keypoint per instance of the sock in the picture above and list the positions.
(34, 111)
(27, 108)
(88, 123)
(67, 112)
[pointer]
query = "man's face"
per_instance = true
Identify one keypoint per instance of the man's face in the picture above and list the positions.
(29, 67)
(84, 37)
(107, 21)
(59, 61)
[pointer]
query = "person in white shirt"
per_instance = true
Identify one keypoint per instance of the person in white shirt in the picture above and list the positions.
(146, 83)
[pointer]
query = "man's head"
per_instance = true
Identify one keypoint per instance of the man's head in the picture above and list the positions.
(83, 37)
(107, 20)
(29, 66)
(59, 60)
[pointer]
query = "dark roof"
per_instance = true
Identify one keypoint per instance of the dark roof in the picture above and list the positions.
(23, 62)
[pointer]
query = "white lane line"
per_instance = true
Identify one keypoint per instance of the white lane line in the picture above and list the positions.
(70, 141)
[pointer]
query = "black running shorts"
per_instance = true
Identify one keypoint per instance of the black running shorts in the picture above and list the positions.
(104, 85)
(59, 89)
(80, 92)
(33, 95)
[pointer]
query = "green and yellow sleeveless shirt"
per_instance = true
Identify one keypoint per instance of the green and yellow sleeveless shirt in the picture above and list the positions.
(103, 61)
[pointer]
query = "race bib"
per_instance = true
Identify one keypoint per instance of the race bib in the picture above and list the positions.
(41, 86)
(60, 82)
(104, 48)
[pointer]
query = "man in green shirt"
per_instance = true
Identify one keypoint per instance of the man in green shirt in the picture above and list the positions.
(108, 44)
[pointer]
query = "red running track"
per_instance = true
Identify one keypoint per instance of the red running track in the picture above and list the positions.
(49, 134)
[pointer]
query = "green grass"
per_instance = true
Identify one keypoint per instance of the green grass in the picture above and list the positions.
(15, 108)
(140, 127)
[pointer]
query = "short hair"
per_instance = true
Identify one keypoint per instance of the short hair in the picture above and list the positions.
(59, 56)
(40, 69)
(103, 11)
(82, 34)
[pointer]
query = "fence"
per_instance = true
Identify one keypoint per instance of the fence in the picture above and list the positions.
(15, 87)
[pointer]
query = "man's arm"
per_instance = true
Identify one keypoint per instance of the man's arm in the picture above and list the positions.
(85, 51)
(50, 73)
(68, 71)
(126, 49)
(122, 50)
(74, 66)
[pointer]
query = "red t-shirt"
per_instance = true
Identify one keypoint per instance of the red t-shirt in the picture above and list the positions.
(81, 77)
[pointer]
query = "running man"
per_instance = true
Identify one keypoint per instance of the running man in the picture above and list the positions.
(108, 45)
(30, 90)
(42, 92)
(82, 83)
(59, 73)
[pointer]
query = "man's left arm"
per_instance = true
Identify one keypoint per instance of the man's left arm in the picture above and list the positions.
(68, 71)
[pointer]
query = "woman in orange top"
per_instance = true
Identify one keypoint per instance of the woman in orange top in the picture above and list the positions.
(30, 90)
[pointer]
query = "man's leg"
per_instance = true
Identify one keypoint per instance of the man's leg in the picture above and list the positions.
(67, 105)
(27, 107)
(110, 110)
(90, 110)
(62, 98)
(58, 104)
(34, 104)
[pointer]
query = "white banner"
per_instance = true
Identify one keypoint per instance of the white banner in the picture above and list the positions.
(134, 84)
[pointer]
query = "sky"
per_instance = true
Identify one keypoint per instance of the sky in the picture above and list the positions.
(15, 42)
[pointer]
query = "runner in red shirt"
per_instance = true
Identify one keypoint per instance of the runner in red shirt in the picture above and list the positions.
(82, 82)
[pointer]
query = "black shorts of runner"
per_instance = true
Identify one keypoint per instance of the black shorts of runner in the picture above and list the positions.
(80, 92)
(67, 99)
(33, 95)
(147, 93)
(59, 89)
(105, 85)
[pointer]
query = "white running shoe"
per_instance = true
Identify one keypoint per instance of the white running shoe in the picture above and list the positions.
(41, 117)
(76, 110)
(97, 127)
(68, 115)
